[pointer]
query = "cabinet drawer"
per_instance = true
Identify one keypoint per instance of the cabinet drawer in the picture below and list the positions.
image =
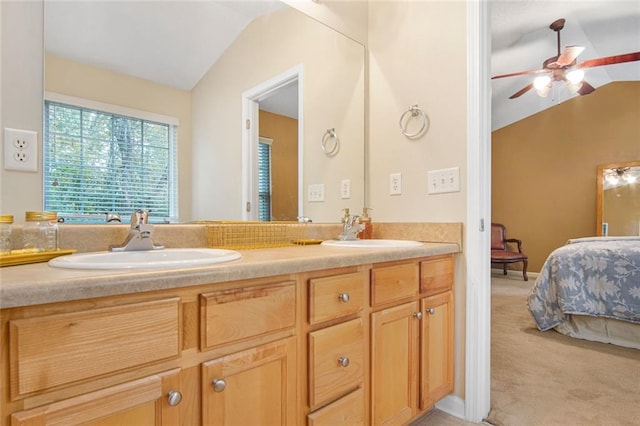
(54, 350)
(396, 282)
(436, 274)
(335, 297)
(347, 411)
(336, 361)
(238, 314)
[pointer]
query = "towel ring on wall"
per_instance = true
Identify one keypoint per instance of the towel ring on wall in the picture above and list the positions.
(330, 142)
(414, 111)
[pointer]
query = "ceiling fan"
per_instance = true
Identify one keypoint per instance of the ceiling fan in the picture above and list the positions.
(563, 67)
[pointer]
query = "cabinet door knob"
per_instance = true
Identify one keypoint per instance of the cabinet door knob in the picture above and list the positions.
(418, 315)
(174, 398)
(344, 297)
(343, 361)
(219, 385)
(431, 311)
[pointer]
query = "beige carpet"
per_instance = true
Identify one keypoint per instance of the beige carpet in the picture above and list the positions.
(551, 379)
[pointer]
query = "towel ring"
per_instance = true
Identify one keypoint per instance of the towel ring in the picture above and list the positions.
(415, 112)
(332, 149)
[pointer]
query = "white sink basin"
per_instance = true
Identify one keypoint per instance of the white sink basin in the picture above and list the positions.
(372, 243)
(165, 258)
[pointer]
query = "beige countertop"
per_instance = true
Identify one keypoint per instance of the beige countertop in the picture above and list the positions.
(40, 283)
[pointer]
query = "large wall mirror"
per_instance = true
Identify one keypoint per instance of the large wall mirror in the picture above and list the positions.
(618, 199)
(196, 61)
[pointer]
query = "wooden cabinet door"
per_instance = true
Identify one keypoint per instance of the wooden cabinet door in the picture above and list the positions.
(436, 349)
(253, 387)
(140, 402)
(394, 378)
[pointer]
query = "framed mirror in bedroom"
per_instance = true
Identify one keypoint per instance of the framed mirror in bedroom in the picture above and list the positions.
(618, 199)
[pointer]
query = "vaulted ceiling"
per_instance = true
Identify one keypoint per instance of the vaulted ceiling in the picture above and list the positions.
(521, 40)
(182, 39)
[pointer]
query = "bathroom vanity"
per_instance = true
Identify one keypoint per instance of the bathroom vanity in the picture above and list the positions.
(297, 335)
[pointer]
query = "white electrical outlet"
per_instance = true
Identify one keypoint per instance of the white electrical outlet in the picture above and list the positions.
(20, 150)
(444, 180)
(395, 184)
(345, 189)
(316, 192)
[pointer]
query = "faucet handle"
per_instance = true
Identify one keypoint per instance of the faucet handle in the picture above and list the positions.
(139, 217)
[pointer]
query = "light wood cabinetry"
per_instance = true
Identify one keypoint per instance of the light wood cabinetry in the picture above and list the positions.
(394, 374)
(436, 348)
(412, 342)
(148, 401)
(253, 387)
(360, 345)
(337, 355)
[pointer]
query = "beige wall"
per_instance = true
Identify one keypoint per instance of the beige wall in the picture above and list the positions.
(22, 47)
(82, 81)
(410, 63)
(544, 167)
(333, 97)
(284, 163)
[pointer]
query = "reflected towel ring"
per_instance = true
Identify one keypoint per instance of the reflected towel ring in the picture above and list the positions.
(332, 149)
(415, 112)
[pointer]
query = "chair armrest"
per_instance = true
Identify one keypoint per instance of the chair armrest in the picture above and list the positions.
(517, 241)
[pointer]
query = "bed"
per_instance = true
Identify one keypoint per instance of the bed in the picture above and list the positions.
(590, 289)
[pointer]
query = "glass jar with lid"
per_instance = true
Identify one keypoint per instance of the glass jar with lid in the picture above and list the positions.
(40, 232)
(6, 225)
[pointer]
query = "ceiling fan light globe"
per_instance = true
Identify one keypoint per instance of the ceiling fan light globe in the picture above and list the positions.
(544, 92)
(541, 82)
(612, 179)
(573, 87)
(575, 76)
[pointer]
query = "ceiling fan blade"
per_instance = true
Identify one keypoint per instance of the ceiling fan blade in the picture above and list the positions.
(585, 89)
(610, 60)
(522, 91)
(513, 74)
(569, 54)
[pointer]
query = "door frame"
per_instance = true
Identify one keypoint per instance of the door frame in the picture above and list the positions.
(250, 136)
(477, 402)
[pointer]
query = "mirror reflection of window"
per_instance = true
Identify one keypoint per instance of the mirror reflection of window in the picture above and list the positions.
(264, 179)
(101, 159)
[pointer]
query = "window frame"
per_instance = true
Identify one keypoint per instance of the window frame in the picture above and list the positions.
(88, 104)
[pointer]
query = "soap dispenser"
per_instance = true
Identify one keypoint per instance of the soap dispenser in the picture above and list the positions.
(367, 232)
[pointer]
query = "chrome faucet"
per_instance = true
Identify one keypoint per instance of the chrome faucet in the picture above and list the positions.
(351, 228)
(140, 234)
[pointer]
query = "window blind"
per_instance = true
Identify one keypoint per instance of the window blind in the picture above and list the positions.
(264, 181)
(97, 162)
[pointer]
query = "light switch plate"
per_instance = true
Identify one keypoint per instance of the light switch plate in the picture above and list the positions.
(316, 192)
(345, 189)
(443, 180)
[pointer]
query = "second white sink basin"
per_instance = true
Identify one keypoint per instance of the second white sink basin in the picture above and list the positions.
(374, 243)
(165, 258)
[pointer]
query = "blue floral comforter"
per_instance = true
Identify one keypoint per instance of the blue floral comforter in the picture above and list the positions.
(588, 276)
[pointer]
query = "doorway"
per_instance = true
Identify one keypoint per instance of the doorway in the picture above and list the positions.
(277, 100)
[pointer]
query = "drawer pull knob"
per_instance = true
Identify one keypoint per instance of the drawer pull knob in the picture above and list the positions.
(174, 398)
(343, 361)
(344, 297)
(219, 385)
(431, 311)
(418, 315)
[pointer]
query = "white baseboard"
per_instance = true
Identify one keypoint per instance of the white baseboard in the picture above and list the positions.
(514, 273)
(453, 405)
